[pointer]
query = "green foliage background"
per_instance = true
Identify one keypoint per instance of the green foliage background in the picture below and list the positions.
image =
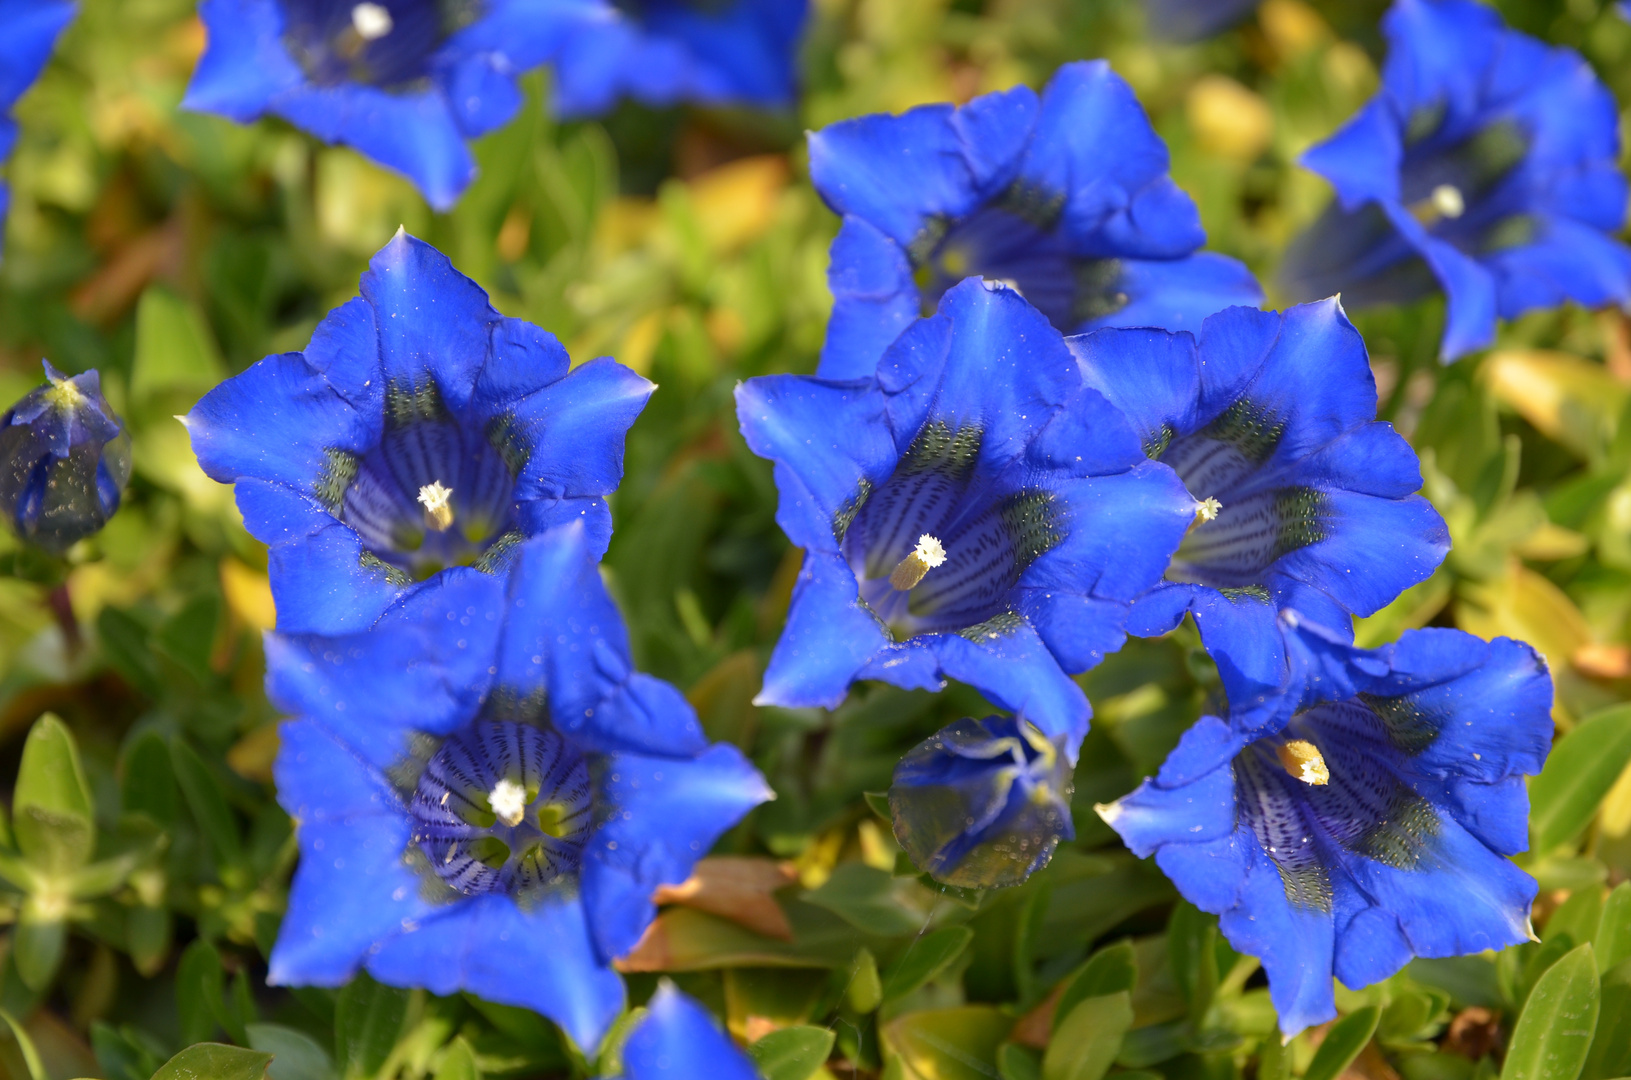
(146, 864)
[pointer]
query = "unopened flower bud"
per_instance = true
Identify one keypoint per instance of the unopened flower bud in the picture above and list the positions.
(64, 461)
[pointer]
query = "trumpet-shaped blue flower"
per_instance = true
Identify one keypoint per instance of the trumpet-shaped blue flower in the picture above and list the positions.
(28, 32)
(1270, 420)
(487, 795)
(1373, 828)
(982, 803)
(972, 511)
(678, 1040)
(1065, 197)
(1488, 163)
(405, 82)
(64, 461)
(1195, 20)
(663, 52)
(419, 430)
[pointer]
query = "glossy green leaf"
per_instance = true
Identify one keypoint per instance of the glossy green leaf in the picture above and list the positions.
(207, 801)
(1015, 1062)
(1112, 968)
(946, 1044)
(37, 946)
(1086, 1042)
(295, 1055)
(201, 995)
(367, 1021)
(52, 812)
(458, 1062)
(1554, 1032)
(1610, 1054)
(215, 1061)
(792, 1053)
(865, 897)
(1343, 1043)
(1582, 766)
(25, 1047)
(149, 782)
(1613, 942)
(864, 992)
(923, 959)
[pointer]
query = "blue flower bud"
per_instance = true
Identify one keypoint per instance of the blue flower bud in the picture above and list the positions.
(66, 461)
(983, 803)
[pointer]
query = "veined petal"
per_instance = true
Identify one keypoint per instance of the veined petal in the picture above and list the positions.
(874, 299)
(433, 321)
(678, 1039)
(668, 813)
(540, 959)
(1177, 294)
(1007, 661)
(575, 430)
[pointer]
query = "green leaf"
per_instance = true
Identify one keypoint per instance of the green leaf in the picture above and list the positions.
(188, 636)
(1031, 933)
(1016, 1062)
(201, 995)
(25, 1046)
(1582, 766)
(36, 947)
(1554, 1032)
(924, 959)
(878, 803)
(125, 648)
(215, 1061)
(792, 1053)
(295, 1055)
(1112, 968)
(52, 808)
(149, 782)
(864, 992)
(1610, 1054)
(367, 1021)
(1613, 942)
(1273, 1058)
(1088, 1040)
(174, 349)
(1343, 1043)
(1578, 916)
(207, 801)
(1192, 951)
(458, 1062)
(864, 897)
(946, 1044)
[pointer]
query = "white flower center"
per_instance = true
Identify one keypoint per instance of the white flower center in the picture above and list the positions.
(1209, 510)
(438, 508)
(1448, 201)
(371, 21)
(928, 554)
(1302, 759)
(509, 802)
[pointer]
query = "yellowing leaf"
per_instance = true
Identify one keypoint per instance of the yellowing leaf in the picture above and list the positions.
(249, 594)
(947, 1044)
(1569, 399)
(735, 203)
(1228, 119)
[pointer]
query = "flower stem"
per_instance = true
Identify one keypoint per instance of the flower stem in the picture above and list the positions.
(63, 609)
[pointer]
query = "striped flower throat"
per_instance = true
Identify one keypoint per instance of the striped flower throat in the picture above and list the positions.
(503, 807)
(938, 547)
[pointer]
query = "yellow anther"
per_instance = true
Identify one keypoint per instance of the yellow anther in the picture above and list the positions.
(1302, 760)
(925, 557)
(1448, 201)
(1209, 510)
(437, 501)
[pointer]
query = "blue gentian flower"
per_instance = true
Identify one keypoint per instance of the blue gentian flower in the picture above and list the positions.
(1372, 829)
(1195, 20)
(1487, 163)
(419, 430)
(64, 461)
(405, 82)
(969, 512)
(1065, 197)
(487, 795)
(982, 804)
(663, 52)
(28, 33)
(678, 1040)
(1270, 420)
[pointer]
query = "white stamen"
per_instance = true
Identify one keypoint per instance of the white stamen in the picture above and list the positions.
(1209, 510)
(438, 509)
(509, 801)
(925, 557)
(1448, 201)
(371, 21)
(1302, 760)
